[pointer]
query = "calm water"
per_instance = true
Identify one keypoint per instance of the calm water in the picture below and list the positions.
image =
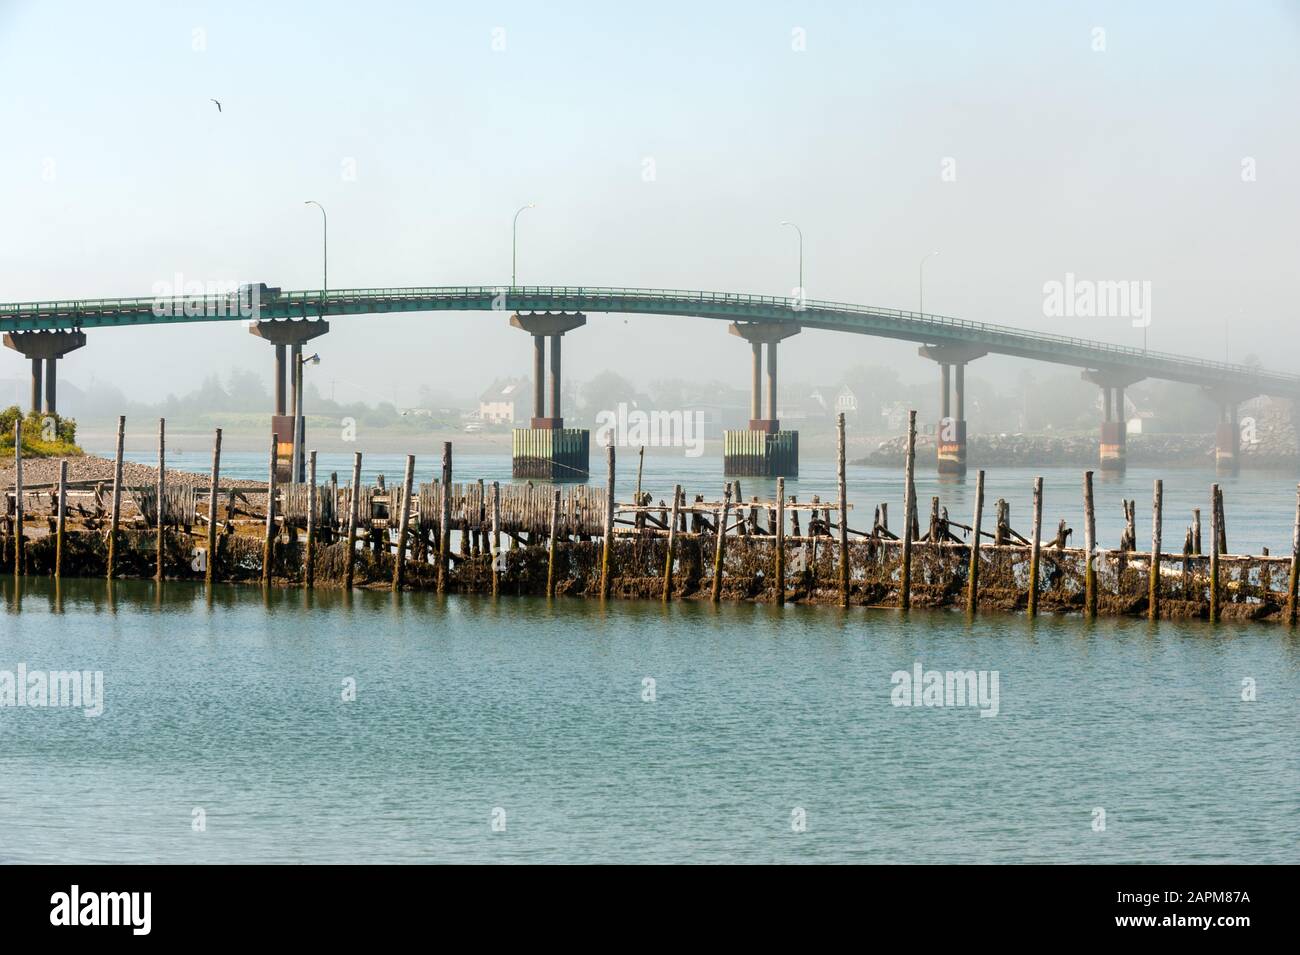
(1260, 507)
(465, 706)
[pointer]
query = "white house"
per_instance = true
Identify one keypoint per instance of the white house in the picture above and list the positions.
(505, 402)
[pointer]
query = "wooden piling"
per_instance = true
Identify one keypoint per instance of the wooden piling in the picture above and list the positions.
(1214, 553)
(1035, 547)
(18, 497)
(1090, 548)
(210, 564)
(1293, 589)
(909, 503)
(354, 504)
(973, 579)
(607, 531)
(60, 525)
(309, 564)
(162, 493)
(1222, 536)
(115, 515)
(640, 464)
(672, 544)
(844, 514)
(444, 520)
(1157, 516)
(403, 520)
(332, 528)
(780, 541)
(494, 539)
(268, 542)
(1196, 531)
(719, 546)
(551, 543)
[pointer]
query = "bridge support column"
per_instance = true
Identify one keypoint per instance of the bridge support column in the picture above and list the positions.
(950, 432)
(763, 449)
(288, 336)
(1227, 439)
(1227, 433)
(547, 449)
(1112, 453)
(279, 379)
(44, 349)
(37, 365)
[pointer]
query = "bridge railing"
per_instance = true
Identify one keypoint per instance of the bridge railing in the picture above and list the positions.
(620, 298)
(799, 309)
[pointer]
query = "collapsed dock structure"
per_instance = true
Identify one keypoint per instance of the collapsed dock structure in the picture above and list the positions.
(476, 537)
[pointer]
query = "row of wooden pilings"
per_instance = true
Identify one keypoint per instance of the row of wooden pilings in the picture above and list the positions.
(443, 556)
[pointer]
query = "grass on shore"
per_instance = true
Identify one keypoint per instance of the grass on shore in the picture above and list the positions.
(44, 435)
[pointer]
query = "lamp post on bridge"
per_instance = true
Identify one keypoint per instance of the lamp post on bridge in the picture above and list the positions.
(920, 281)
(800, 231)
(299, 430)
(325, 234)
(514, 242)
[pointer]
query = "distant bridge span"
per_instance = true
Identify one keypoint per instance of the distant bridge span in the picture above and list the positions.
(46, 331)
(927, 329)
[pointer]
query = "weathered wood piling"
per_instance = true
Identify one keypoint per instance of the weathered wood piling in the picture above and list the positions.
(19, 530)
(1157, 506)
(268, 544)
(1090, 549)
(162, 495)
(1215, 552)
(403, 519)
(116, 511)
(210, 557)
(309, 559)
(909, 503)
(354, 513)
(61, 520)
(1035, 548)
(973, 576)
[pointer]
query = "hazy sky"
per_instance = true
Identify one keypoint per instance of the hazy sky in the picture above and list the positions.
(1122, 163)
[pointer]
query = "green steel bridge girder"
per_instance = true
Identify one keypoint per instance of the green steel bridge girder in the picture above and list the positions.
(925, 329)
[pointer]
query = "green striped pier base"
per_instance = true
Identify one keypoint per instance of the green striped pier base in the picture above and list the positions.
(760, 454)
(552, 454)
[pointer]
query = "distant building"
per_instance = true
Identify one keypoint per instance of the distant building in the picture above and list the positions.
(501, 403)
(835, 399)
(894, 416)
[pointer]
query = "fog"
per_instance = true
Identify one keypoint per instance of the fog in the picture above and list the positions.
(663, 146)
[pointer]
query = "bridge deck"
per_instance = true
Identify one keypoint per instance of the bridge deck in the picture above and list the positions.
(833, 316)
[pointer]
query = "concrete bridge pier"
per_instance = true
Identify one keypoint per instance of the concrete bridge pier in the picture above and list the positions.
(1227, 432)
(1114, 432)
(950, 433)
(1227, 443)
(546, 448)
(763, 449)
(44, 349)
(288, 337)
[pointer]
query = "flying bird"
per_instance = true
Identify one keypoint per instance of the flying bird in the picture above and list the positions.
(218, 102)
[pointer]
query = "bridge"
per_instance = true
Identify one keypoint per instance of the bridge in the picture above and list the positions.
(45, 331)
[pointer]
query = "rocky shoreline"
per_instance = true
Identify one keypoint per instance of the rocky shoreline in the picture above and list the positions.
(1039, 450)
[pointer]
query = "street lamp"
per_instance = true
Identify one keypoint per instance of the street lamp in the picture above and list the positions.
(299, 424)
(325, 270)
(514, 242)
(920, 281)
(800, 231)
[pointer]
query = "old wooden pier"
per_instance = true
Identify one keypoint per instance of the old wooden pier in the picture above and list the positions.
(456, 536)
